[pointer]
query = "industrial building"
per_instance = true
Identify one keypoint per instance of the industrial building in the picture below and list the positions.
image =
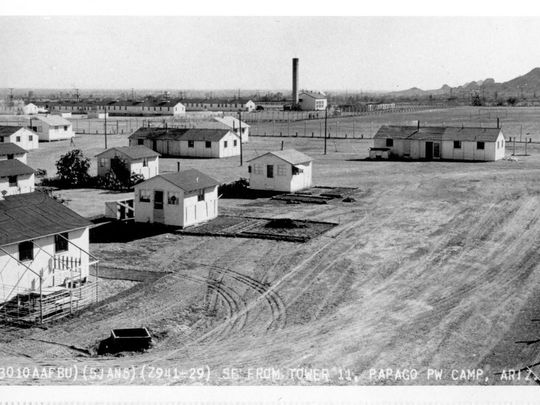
(286, 170)
(449, 143)
(312, 101)
(19, 136)
(138, 159)
(179, 199)
(188, 142)
(305, 100)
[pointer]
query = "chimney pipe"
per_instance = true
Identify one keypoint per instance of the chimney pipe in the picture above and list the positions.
(498, 123)
(295, 81)
(418, 125)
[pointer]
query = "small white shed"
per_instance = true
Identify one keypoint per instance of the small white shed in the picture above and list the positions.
(52, 127)
(15, 178)
(139, 160)
(10, 151)
(236, 126)
(179, 199)
(286, 170)
(20, 136)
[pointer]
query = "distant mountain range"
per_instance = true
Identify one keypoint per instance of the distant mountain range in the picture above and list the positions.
(526, 85)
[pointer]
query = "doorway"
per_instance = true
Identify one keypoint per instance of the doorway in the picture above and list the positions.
(429, 150)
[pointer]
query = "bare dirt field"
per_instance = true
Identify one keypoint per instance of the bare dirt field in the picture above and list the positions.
(435, 265)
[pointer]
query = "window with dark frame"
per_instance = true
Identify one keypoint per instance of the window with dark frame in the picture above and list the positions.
(200, 195)
(145, 162)
(61, 242)
(11, 156)
(26, 251)
(191, 144)
(480, 145)
(12, 181)
(389, 142)
(17, 139)
(208, 144)
(140, 141)
(224, 144)
(457, 144)
(270, 171)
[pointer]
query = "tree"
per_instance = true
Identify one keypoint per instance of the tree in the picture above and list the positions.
(72, 168)
(476, 101)
(511, 101)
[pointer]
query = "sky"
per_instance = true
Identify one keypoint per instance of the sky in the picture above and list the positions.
(336, 53)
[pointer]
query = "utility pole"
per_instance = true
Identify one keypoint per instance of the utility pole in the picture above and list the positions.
(105, 127)
(240, 131)
(325, 126)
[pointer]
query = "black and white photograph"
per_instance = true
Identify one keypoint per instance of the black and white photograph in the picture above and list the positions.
(265, 200)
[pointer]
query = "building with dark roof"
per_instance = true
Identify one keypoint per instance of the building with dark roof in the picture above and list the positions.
(449, 143)
(179, 199)
(20, 136)
(202, 104)
(44, 258)
(10, 151)
(188, 142)
(138, 159)
(15, 178)
(286, 170)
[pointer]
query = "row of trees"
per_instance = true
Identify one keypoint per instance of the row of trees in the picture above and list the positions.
(72, 171)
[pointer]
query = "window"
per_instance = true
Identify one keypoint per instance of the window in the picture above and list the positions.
(61, 242)
(65, 127)
(140, 141)
(389, 142)
(1, 139)
(200, 195)
(145, 162)
(270, 171)
(257, 169)
(296, 170)
(12, 181)
(457, 144)
(17, 139)
(224, 144)
(480, 145)
(173, 198)
(102, 162)
(144, 195)
(208, 144)
(26, 251)
(249, 169)
(235, 142)
(10, 156)
(281, 170)
(190, 144)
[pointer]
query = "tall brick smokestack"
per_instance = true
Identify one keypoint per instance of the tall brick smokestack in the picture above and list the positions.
(295, 81)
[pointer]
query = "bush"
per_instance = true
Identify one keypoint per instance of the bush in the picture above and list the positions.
(236, 189)
(72, 169)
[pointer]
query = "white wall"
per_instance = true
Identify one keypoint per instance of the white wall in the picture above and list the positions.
(181, 148)
(280, 182)
(54, 133)
(187, 212)
(20, 156)
(24, 138)
(25, 184)
(135, 165)
(12, 272)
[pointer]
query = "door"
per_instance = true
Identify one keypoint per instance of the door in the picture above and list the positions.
(437, 150)
(429, 150)
(158, 206)
(269, 179)
(154, 145)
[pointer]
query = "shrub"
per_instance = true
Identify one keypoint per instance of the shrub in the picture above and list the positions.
(72, 168)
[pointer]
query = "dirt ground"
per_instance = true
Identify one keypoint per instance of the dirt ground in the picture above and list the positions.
(435, 265)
